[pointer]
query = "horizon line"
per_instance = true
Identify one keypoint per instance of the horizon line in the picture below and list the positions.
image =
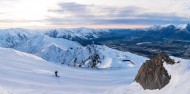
(86, 26)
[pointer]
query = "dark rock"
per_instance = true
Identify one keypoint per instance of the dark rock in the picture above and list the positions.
(152, 74)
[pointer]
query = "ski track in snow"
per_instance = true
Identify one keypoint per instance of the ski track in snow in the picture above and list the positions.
(23, 73)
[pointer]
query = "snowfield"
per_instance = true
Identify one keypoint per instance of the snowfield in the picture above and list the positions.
(23, 73)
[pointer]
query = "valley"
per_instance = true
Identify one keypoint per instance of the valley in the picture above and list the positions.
(151, 48)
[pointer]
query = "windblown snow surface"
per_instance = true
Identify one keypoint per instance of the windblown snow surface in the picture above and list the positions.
(23, 73)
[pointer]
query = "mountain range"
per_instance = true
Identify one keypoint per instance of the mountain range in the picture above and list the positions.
(64, 51)
(84, 47)
(88, 61)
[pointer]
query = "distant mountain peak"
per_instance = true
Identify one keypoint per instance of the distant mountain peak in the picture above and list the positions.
(171, 26)
(161, 27)
(154, 27)
(188, 27)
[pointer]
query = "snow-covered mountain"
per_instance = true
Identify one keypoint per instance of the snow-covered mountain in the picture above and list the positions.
(63, 51)
(188, 27)
(35, 75)
(12, 37)
(76, 33)
(58, 45)
(23, 73)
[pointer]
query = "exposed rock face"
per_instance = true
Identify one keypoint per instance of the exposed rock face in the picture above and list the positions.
(152, 74)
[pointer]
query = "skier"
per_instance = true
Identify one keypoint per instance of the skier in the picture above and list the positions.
(56, 72)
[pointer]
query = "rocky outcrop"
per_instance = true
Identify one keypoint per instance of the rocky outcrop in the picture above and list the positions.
(152, 74)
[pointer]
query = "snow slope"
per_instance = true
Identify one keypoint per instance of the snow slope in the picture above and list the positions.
(23, 73)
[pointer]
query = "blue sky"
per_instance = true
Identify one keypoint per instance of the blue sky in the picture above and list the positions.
(92, 13)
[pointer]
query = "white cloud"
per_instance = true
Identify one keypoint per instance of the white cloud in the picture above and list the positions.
(95, 11)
